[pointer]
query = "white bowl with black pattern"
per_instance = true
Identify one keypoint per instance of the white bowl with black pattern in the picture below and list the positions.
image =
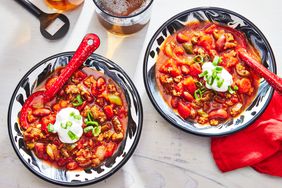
(39, 73)
(223, 17)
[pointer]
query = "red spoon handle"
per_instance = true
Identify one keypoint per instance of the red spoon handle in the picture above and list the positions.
(270, 77)
(88, 45)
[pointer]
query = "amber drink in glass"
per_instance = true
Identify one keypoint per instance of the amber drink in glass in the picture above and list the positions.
(123, 17)
(63, 5)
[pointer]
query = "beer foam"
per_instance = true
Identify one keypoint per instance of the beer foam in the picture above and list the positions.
(121, 7)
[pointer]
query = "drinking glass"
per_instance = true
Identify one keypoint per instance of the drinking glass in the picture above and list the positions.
(122, 20)
(63, 5)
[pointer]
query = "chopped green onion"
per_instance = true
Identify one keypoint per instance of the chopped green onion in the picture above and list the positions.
(78, 100)
(218, 69)
(50, 128)
(69, 124)
(87, 129)
(220, 83)
(203, 74)
(92, 123)
(89, 116)
(230, 90)
(77, 117)
(96, 131)
(216, 60)
(210, 80)
(199, 84)
(64, 126)
(198, 94)
(72, 135)
(198, 59)
(214, 74)
(235, 88)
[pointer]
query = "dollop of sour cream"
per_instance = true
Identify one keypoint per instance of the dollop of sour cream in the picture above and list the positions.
(222, 79)
(68, 125)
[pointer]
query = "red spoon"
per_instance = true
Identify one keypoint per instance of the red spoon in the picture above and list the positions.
(88, 45)
(271, 78)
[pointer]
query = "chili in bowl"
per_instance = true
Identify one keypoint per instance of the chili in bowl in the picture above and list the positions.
(87, 131)
(195, 78)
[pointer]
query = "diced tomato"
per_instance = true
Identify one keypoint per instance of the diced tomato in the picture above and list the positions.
(189, 84)
(187, 96)
(234, 99)
(195, 69)
(210, 29)
(89, 134)
(183, 110)
(178, 51)
(207, 42)
(174, 102)
(111, 147)
(109, 111)
(218, 114)
(181, 38)
(170, 68)
(72, 165)
(244, 85)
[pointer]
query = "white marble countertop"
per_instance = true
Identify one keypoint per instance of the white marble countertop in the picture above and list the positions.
(165, 156)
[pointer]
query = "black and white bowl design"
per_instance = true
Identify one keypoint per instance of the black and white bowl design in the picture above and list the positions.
(224, 17)
(75, 178)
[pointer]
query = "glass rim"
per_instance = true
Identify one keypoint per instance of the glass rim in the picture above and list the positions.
(129, 16)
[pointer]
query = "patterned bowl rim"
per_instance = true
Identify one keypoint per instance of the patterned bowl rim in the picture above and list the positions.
(147, 54)
(113, 170)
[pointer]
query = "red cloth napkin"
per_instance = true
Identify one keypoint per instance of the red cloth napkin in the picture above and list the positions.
(258, 146)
